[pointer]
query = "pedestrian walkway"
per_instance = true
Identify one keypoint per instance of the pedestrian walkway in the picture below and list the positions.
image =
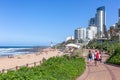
(114, 70)
(101, 72)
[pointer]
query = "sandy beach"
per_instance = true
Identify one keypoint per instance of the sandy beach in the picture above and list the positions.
(19, 60)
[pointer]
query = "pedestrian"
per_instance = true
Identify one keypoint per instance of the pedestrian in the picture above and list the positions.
(96, 57)
(89, 57)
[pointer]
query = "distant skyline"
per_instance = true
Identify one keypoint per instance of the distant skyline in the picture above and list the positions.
(40, 22)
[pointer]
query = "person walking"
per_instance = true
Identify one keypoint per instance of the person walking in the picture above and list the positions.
(89, 57)
(97, 56)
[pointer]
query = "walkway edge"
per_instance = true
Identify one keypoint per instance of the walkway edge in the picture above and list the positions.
(84, 75)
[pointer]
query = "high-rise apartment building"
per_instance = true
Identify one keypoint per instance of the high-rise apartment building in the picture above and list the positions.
(100, 22)
(91, 32)
(119, 15)
(92, 22)
(80, 34)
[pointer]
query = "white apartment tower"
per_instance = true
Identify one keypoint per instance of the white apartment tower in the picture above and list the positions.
(80, 34)
(119, 16)
(91, 32)
(100, 22)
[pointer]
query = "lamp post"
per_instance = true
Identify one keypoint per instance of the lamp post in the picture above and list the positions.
(101, 44)
(119, 36)
(84, 44)
(112, 45)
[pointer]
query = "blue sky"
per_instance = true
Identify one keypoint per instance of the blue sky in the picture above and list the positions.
(39, 22)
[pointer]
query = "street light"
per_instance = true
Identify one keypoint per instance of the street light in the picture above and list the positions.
(101, 44)
(119, 36)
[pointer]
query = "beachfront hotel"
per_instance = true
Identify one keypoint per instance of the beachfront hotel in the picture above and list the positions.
(96, 27)
(100, 22)
(97, 24)
(92, 22)
(80, 34)
(119, 16)
(91, 32)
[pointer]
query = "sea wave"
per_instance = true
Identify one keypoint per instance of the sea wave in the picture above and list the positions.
(14, 51)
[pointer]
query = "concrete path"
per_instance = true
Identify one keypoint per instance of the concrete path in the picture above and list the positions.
(101, 72)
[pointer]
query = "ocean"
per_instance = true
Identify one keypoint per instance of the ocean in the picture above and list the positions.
(17, 50)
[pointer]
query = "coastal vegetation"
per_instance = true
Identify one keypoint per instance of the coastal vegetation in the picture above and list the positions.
(115, 57)
(112, 48)
(108, 45)
(55, 68)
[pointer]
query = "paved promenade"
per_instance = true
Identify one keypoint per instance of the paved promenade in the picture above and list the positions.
(101, 72)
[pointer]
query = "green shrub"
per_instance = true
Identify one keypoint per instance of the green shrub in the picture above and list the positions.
(115, 58)
(56, 68)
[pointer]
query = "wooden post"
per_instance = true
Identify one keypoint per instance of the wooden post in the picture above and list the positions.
(43, 60)
(34, 63)
(17, 67)
(26, 65)
(40, 62)
(3, 70)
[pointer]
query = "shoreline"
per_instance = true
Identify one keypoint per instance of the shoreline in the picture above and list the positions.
(19, 60)
(15, 51)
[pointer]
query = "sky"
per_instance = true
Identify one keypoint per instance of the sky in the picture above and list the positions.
(40, 22)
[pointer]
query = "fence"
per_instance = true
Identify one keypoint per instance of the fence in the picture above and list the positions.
(26, 65)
